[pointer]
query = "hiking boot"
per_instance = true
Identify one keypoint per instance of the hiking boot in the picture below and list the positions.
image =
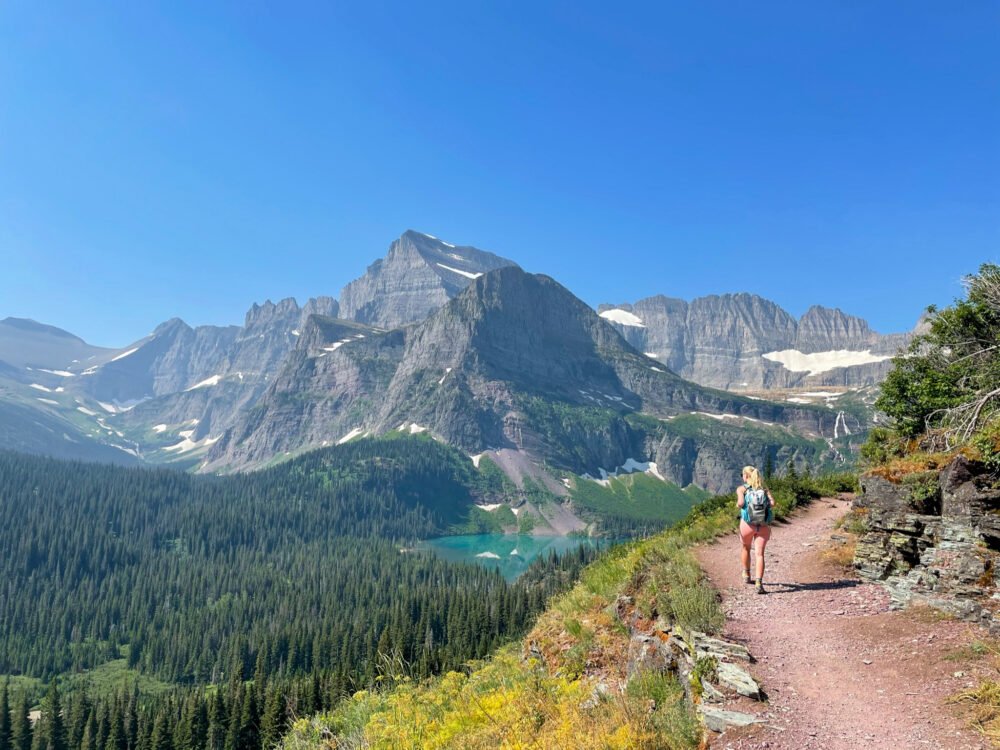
(746, 577)
(760, 586)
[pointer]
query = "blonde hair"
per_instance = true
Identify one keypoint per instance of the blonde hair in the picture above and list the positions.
(752, 477)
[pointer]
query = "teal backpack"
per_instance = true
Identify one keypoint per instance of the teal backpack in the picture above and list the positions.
(756, 507)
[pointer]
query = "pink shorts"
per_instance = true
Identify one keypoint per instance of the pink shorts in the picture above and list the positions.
(748, 532)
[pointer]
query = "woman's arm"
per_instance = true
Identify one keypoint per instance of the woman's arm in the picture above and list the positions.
(740, 492)
(770, 497)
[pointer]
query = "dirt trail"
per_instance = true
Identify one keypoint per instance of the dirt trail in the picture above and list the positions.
(840, 670)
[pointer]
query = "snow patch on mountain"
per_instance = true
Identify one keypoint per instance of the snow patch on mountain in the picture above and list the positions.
(723, 417)
(336, 345)
(623, 317)
(187, 444)
(818, 362)
(214, 380)
(350, 435)
(466, 274)
(125, 354)
(630, 466)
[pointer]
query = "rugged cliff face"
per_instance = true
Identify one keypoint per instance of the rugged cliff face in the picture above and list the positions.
(197, 380)
(419, 275)
(935, 538)
(326, 393)
(172, 358)
(514, 362)
(745, 342)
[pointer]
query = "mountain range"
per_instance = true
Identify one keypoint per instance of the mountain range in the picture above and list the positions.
(745, 342)
(463, 345)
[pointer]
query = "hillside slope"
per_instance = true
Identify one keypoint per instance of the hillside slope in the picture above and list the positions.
(612, 663)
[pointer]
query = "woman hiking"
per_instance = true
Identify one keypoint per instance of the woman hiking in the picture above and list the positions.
(755, 504)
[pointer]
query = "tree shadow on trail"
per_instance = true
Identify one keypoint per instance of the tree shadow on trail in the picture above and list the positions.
(783, 587)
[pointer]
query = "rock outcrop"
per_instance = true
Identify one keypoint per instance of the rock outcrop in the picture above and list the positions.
(745, 342)
(935, 538)
(709, 669)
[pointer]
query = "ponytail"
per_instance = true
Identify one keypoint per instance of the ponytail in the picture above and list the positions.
(752, 477)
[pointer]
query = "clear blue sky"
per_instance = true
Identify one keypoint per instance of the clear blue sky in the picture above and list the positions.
(187, 159)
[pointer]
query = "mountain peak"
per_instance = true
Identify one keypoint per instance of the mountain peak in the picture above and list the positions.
(170, 326)
(419, 275)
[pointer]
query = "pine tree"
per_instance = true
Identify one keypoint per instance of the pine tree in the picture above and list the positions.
(273, 720)
(235, 712)
(198, 723)
(79, 713)
(116, 734)
(103, 726)
(161, 738)
(249, 736)
(131, 719)
(217, 729)
(5, 733)
(88, 740)
(50, 733)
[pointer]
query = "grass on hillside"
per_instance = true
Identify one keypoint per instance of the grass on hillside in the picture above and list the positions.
(638, 497)
(562, 689)
(109, 678)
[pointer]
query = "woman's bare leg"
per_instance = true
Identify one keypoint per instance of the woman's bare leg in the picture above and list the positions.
(760, 543)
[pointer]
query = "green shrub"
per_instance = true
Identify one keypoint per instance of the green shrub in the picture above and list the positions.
(882, 445)
(956, 363)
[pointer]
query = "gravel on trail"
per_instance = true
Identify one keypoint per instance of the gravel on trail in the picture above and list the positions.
(840, 670)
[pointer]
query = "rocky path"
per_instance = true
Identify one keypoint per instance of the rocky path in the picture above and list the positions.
(840, 670)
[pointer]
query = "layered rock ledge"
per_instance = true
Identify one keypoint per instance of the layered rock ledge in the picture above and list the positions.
(934, 538)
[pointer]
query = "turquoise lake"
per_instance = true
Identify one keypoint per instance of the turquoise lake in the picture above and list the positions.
(510, 553)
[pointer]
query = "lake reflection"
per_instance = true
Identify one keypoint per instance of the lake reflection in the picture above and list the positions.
(509, 553)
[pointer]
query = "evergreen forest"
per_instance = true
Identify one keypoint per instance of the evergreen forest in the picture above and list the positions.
(246, 599)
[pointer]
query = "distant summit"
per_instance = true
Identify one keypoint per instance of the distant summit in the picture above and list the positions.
(27, 343)
(419, 274)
